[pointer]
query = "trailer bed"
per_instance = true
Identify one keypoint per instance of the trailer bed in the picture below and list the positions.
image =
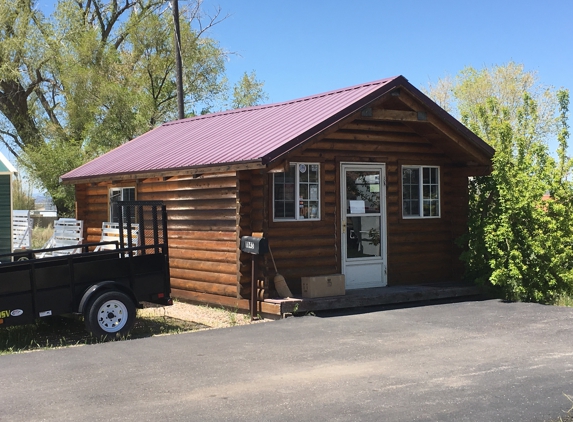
(37, 288)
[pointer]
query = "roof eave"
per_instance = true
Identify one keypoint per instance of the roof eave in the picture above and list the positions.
(451, 121)
(212, 168)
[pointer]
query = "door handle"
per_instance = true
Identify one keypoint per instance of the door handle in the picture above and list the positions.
(344, 227)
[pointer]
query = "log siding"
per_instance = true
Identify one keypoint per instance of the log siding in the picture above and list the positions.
(208, 213)
(202, 230)
(419, 250)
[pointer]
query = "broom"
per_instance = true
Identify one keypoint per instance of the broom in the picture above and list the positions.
(280, 283)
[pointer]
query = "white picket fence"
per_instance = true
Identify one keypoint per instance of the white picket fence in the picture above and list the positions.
(22, 225)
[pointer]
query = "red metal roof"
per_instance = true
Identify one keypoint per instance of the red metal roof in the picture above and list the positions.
(250, 135)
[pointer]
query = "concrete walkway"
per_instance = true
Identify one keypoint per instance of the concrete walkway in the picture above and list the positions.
(389, 295)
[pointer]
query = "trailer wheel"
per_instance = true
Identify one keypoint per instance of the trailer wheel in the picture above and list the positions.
(110, 315)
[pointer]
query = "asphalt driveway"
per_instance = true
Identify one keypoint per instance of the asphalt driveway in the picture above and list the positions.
(472, 361)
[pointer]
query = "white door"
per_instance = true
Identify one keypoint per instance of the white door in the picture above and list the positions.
(363, 209)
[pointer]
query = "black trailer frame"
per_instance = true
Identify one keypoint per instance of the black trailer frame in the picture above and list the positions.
(104, 286)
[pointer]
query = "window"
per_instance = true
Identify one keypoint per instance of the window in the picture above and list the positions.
(420, 191)
(302, 181)
(120, 194)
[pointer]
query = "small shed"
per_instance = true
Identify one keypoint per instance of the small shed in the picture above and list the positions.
(369, 181)
(7, 172)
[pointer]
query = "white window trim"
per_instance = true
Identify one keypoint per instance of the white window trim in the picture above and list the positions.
(296, 195)
(118, 188)
(421, 205)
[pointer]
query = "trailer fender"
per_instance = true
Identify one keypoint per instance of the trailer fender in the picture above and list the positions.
(103, 286)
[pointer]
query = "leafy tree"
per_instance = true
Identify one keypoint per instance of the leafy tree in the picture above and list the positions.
(22, 196)
(248, 91)
(94, 75)
(520, 238)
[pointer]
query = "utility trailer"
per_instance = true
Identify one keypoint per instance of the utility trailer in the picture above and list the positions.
(105, 286)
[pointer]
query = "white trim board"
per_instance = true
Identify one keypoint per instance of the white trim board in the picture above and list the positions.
(8, 164)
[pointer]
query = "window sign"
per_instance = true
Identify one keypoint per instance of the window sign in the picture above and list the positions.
(363, 187)
(314, 192)
(357, 207)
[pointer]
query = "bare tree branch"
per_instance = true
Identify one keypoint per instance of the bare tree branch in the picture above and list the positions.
(99, 18)
(14, 106)
(115, 15)
(8, 145)
(166, 99)
(151, 8)
(46, 105)
(9, 148)
(196, 15)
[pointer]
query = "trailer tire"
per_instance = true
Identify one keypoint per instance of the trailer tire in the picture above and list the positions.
(110, 315)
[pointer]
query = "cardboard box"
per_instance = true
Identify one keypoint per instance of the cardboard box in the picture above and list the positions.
(323, 286)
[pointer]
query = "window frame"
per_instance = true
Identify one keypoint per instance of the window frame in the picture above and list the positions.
(121, 189)
(421, 185)
(297, 183)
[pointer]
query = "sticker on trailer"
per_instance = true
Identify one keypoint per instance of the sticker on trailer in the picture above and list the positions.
(17, 312)
(45, 313)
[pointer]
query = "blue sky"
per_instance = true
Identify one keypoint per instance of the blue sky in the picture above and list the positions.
(299, 48)
(305, 47)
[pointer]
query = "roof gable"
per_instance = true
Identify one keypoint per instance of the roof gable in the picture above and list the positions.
(251, 136)
(6, 166)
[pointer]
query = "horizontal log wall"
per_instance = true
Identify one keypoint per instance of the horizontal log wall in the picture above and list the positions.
(252, 211)
(93, 208)
(202, 229)
(208, 213)
(419, 250)
(424, 250)
(304, 248)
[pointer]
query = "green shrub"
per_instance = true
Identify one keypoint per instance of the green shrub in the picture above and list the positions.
(520, 236)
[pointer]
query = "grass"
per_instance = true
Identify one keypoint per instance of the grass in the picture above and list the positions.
(61, 331)
(40, 235)
(565, 301)
(235, 318)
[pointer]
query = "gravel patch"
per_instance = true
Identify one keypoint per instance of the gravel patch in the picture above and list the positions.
(208, 316)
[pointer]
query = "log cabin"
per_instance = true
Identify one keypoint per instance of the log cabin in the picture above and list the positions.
(369, 181)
